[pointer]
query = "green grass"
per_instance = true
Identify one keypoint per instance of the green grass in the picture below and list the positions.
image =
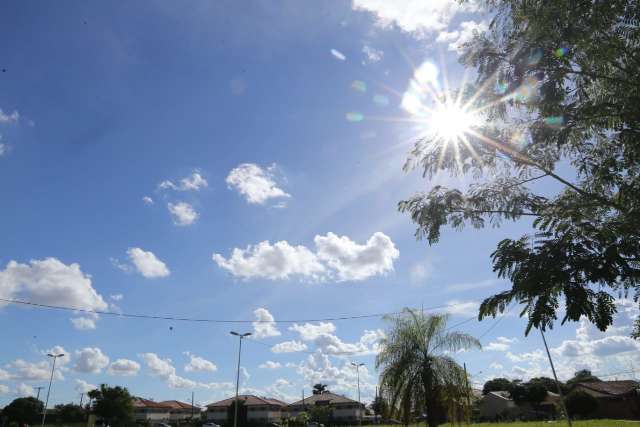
(586, 423)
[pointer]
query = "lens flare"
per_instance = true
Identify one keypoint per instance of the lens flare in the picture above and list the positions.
(535, 57)
(381, 100)
(554, 121)
(359, 86)
(560, 52)
(354, 116)
(450, 122)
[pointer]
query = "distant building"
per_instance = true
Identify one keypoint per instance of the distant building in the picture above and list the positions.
(260, 410)
(497, 405)
(342, 408)
(148, 410)
(616, 399)
(181, 411)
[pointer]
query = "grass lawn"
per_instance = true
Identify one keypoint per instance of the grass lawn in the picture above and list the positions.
(587, 423)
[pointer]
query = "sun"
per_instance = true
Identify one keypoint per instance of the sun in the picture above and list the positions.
(451, 122)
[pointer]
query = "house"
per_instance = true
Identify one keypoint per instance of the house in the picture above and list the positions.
(148, 410)
(342, 408)
(260, 410)
(497, 405)
(616, 399)
(181, 411)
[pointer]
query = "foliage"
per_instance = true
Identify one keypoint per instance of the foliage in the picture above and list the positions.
(558, 87)
(71, 413)
(242, 412)
(549, 384)
(319, 388)
(320, 413)
(581, 404)
(416, 371)
(302, 419)
(23, 410)
(583, 376)
(380, 407)
(113, 404)
(497, 384)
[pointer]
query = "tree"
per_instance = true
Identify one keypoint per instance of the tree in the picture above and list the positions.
(242, 412)
(581, 404)
(549, 384)
(557, 100)
(416, 369)
(319, 388)
(497, 384)
(23, 410)
(113, 404)
(583, 376)
(320, 414)
(71, 413)
(380, 407)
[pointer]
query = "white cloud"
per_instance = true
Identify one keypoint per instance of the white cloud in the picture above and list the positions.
(500, 344)
(338, 55)
(84, 387)
(310, 331)
(147, 200)
(417, 17)
(352, 261)
(164, 369)
(277, 261)
(124, 367)
(9, 117)
(269, 364)
(84, 323)
(4, 389)
(24, 390)
(193, 182)
(496, 366)
(336, 257)
(264, 326)
(58, 349)
(256, 184)
(22, 370)
(462, 308)
(50, 281)
(464, 34)
(147, 263)
(533, 356)
(90, 360)
(4, 375)
(289, 347)
(3, 149)
(183, 213)
(420, 272)
(199, 364)
(372, 54)
(117, 297)
(470, 286)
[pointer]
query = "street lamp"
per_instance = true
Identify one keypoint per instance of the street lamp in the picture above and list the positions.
(357, 365)
(241, 336)
(53, 368)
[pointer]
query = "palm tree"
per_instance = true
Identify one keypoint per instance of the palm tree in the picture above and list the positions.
(417, 371)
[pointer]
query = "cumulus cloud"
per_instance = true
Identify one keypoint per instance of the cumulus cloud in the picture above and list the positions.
(147, 263)
(255, 183)
(199, 364)
(84, 387)
(269, 364)
(9, 117)
(462, 308)
(117, 297)
(193, 182)
(321, 334)
(24, 390)
(124, 367)
(417, 17)
(4, 389)
(338, 55)
(336, 257)
(311, 331)
(277, 261)
(465, 33)
(183, 213)
(289, 347)
(264, 326)
(4, 375)
(147, 200)
(50, 281)
(163, 368)
(84, 323)
(20, 369)
(3, 148)
(90, 360)
(500, 344)
(372, 54)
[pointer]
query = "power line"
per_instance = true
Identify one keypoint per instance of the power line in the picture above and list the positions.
(205, 320)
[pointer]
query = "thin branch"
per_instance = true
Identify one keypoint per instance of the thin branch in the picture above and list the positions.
(482, 211)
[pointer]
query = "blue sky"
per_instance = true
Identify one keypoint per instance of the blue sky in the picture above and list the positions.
(236, 161)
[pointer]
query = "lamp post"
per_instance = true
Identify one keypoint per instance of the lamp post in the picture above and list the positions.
(357, 365)
(241, 336)
(53, 368)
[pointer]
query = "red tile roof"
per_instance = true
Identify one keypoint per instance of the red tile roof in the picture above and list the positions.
(139, 402)
(176, 404)
(327, 396)
(249, 400)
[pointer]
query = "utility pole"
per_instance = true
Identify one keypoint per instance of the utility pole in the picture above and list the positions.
(241, 336)
(555, 377)
(192, 406)
(81, 396)
(357, 365)
(38, 395)
(53, 368)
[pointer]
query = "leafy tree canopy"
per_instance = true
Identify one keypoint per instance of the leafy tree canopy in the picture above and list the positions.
(581, 404)
(113, 404)
(558, 92)
(497, 384)
(583, 376)
(23, 410)
(319, 388)
(71, 413)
